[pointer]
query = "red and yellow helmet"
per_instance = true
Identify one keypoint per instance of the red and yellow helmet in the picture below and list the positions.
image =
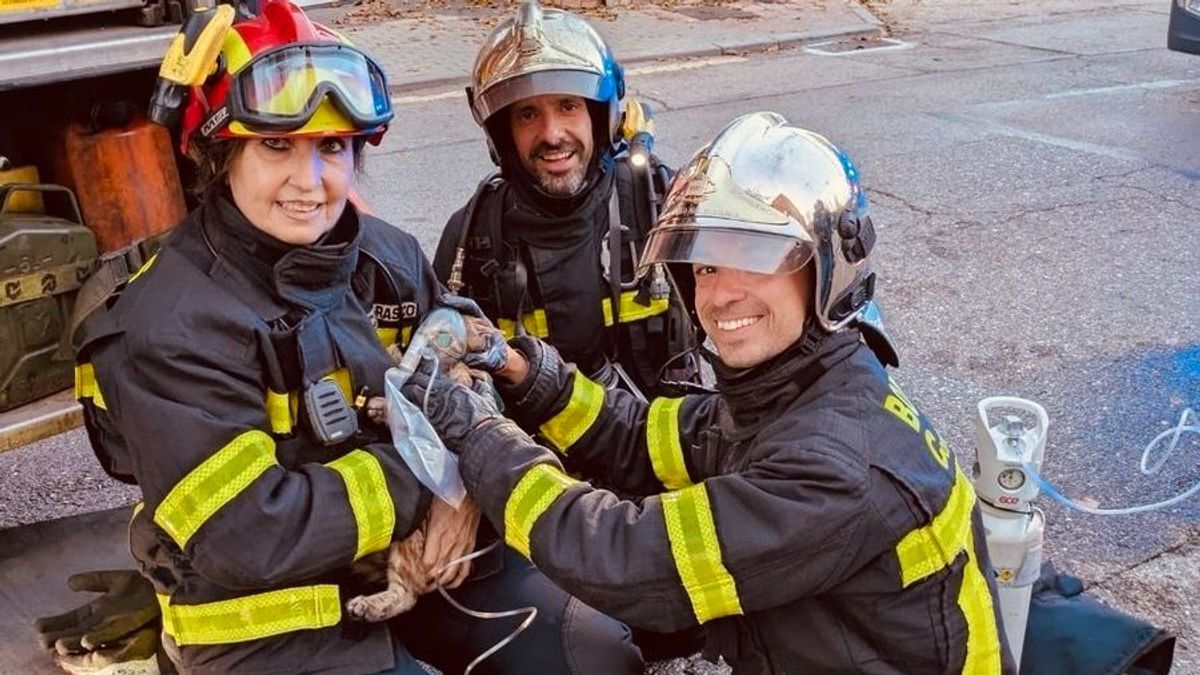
(280, 74)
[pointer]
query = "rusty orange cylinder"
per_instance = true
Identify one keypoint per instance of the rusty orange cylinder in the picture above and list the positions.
(125, 178)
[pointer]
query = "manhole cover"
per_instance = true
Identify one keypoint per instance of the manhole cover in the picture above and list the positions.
(856, 45)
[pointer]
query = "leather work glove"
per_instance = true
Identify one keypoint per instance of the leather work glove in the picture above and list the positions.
(133, 654)
(126, 606)
(486, 346)
(449, 535)
(453, 409)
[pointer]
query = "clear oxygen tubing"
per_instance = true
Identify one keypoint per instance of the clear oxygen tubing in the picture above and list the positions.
(531, 612)
(1187, 424)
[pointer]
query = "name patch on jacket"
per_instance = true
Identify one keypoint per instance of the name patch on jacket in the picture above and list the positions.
(405, 311)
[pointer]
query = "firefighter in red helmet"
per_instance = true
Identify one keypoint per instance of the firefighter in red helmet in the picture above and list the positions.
(221, 382)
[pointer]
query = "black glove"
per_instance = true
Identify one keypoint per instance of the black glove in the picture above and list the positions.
(453, 409)
(486, 349)
(126, 606)
(461, 304)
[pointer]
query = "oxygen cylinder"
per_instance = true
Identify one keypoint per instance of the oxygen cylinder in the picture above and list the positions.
(122, 169)
(1013, 526)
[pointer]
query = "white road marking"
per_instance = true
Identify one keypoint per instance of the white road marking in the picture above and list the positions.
(1109, 151)
(888, 45)
(1157, 84)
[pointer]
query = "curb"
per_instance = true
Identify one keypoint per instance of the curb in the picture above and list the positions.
(770, 43)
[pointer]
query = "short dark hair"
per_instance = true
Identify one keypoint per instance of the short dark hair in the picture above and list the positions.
(213, 158)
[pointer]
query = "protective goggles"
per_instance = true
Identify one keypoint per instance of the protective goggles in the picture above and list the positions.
(281, 90)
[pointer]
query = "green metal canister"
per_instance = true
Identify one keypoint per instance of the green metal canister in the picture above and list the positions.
(44, 259)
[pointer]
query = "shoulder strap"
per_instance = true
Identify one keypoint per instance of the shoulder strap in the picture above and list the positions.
(614, 266)
(486, 187)
(112, 273)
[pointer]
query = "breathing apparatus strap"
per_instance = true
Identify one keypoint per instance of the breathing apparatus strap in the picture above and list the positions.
(113, 271)
(614, 268)
(486, 186)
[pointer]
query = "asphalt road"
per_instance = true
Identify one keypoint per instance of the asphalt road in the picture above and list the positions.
(1034, 171)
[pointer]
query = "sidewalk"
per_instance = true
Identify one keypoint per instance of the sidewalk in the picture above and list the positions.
(438, 49)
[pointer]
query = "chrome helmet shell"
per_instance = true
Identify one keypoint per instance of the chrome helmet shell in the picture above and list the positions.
(770, 198)
(545, 51)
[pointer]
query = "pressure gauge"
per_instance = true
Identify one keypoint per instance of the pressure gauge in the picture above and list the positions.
(1011, 479)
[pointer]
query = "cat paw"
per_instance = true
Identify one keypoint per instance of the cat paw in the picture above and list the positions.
(381, 606)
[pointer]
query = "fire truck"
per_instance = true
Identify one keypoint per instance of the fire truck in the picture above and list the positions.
(83, 174)
(72, 76)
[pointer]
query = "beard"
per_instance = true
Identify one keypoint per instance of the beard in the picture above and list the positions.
(563, 184)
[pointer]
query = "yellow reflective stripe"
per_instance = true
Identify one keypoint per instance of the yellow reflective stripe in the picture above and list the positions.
(631, 309)
(86, 385)
(387, 336)
(214, 484)
(932, 548)
(342, 377)
(252, 617)
(573, 421)
(279, 412)
(927, 550)
(975, 601)
(662, 443)
(508, 327)
(145, 266)
(535, 322)
(535, 492)
(282, 407)
(537, 325)
(374, 511)
(697, 552)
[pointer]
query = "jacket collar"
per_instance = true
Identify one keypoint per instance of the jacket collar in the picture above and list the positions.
(316, 276)
(540, 227)
(756, 395)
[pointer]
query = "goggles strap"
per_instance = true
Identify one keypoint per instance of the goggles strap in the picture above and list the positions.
(216, 120)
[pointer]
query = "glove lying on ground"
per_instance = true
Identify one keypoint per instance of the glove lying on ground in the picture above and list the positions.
(134, 654)
(1072, 632)
(127, 605)
(116, 632)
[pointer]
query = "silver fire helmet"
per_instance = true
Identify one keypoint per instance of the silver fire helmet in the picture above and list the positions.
(545, 51)
(767, 197)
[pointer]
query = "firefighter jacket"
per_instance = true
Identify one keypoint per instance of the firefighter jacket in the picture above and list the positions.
(192, 383)
(808, 515)
(554, 270)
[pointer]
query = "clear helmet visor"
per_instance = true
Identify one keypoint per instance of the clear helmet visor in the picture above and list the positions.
(585, 84)
(730, 247)
(289, 84)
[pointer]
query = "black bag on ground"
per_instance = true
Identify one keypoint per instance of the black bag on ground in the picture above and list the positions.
(1069, 632)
